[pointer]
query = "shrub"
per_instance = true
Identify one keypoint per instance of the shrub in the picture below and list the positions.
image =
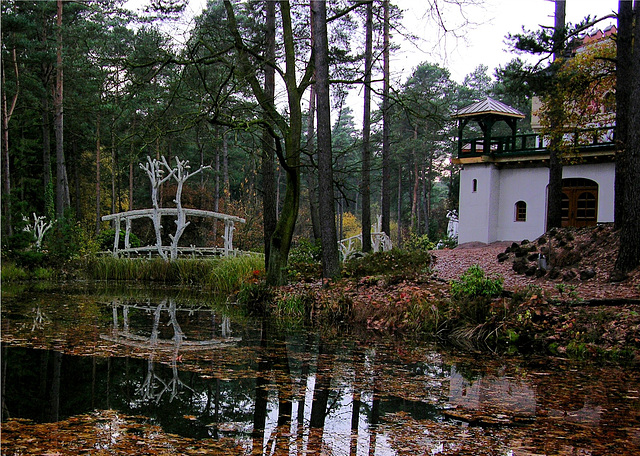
(474, 284)
(417, 243)
(393, 262)
(105, 239)
(256, 298)
(12, 272)
(304, 260)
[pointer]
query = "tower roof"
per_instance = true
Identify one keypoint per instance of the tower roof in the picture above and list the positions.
(488, 106)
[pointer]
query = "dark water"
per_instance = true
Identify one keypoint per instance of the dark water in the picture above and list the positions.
(204, 372)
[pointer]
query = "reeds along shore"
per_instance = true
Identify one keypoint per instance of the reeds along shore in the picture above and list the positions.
(220, 275)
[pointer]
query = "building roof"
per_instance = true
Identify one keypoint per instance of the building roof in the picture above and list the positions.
(488, 106)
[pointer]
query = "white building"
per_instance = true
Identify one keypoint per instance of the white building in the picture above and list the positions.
(503, 187)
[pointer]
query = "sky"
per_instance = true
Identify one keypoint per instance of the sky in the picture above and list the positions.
(462, 48)
(483, 42)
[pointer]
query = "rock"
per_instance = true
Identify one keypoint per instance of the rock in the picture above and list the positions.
(520, 252)
(569, 275)
(618, 276)
(503, 257)
(554, 273)
(520, 265)
(540, 272)
(525, 242)
(531, 270)
(587, 274)
(533, 257)
(567, 258)
(542, 240)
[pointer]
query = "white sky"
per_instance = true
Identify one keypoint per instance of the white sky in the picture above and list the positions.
(463, 48)
(483, 43)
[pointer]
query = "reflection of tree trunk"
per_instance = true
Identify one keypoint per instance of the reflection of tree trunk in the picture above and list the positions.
(374, 417)
(321, 390)
(261, 401)
(54, 403)
(3, 411)
(355, 407)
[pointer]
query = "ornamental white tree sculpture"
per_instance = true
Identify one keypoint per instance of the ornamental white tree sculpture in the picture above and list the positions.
(38, 229)
(181, 174)
(156, 170)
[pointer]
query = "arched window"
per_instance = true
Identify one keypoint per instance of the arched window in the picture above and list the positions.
(474, 185)
(521, 211)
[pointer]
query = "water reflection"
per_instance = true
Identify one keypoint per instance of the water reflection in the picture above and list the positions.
(199, 373)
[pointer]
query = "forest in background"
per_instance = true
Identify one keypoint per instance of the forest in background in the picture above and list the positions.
(90, 89)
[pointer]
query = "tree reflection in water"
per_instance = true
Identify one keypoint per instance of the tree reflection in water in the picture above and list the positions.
(194, 373)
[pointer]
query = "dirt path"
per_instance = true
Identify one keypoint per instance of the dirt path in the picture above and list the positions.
(450, 264)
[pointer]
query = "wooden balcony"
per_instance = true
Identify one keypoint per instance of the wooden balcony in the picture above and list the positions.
(588, 142)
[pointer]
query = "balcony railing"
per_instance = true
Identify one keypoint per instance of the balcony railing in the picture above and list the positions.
(587, 139)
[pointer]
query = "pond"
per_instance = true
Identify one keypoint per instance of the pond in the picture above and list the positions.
(155, 372)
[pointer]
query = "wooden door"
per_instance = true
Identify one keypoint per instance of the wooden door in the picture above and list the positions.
(579, 202)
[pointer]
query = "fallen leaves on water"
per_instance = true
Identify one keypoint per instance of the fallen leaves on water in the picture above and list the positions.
(104, 432)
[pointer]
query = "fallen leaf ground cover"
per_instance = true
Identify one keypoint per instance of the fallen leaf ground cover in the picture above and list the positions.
(566, 311)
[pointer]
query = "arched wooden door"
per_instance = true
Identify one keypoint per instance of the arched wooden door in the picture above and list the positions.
(579, 202)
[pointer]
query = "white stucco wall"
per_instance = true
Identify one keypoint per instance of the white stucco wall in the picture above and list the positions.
(488, 214)
(479, 208)
(528, 185)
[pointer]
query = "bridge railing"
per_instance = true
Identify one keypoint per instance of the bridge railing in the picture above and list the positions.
(581, 140)
(380, 242)
(129, 216)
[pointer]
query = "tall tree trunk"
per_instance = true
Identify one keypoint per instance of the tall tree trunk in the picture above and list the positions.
(226, 190)
(330, 256)
(399, 205)
(312, 175)
(289, 129)
(62, 182)
(624, 67)
(416, 184)
(114, 172)
(7, 112)
(131, 182)
(386, 173)
(312, 178)
(98, 179)
(269, 200)
(365, 186)
(216, 195)
(428, 189)
(554, 197)
(629, 251)
(49, 193)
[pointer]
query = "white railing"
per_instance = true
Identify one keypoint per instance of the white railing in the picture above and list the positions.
(380, 242)
(127, 217)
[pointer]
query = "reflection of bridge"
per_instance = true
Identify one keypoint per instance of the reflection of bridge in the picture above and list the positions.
(125, 336)
(154, 387)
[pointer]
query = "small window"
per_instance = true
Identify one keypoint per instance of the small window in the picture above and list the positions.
(474, 185)
(521, 211)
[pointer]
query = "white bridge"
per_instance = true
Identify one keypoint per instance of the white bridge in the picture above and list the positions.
(380, 242)
(164, 250)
